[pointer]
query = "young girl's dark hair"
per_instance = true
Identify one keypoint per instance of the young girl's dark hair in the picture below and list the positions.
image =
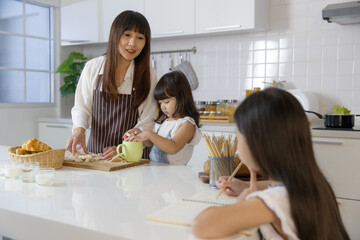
(175, 84)
(133, 21)
(277, 132)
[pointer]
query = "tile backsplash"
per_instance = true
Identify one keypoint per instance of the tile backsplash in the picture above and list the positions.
(299, 48)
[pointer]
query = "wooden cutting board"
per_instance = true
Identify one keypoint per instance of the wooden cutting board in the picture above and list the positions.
(105, 165)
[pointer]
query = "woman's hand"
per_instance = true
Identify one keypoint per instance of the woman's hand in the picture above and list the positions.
(131, 134)
(251, 188)
(109, 152)
(232, 188)
(78, 138)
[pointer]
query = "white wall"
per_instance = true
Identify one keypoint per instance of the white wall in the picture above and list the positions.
(300, 48)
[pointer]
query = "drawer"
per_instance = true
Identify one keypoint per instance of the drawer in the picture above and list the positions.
(55, 134)
(339, 160)
(350, 214)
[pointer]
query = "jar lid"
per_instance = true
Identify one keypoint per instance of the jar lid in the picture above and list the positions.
(232, 101)
(211, 102)
(222, 101)
(199, 102)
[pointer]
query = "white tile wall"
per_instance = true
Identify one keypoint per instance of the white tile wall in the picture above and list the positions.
(299, 48)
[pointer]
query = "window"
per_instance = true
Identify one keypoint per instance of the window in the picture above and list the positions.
(26, 52)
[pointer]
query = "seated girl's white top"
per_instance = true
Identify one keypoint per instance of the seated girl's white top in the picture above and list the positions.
(276, 198)
(169, 128)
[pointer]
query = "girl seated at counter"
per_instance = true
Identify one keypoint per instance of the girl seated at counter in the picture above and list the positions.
(176, 129)
(274, 139)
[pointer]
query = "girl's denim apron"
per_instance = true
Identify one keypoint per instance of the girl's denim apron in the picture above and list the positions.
(157, 155)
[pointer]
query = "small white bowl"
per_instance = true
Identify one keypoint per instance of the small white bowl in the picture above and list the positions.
(45, 176)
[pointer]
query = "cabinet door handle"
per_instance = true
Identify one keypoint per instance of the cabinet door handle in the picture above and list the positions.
(56, 126)
(169, 33)
(327, 142)
(223, 27)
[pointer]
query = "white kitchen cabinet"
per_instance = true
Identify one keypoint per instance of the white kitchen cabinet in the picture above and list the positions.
(55, 134)
(170, 18)
(79, 21)
(212, 16)
(89, 21)
(109, 9)
(350, 214)
(339, 160)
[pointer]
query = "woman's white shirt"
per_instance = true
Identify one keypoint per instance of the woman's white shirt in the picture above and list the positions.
(82, 110)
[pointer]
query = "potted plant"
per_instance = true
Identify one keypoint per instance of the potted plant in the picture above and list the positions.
(72, 66)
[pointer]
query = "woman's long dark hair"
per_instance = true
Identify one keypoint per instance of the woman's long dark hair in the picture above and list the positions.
(175, 84)
(134, 21)
(278, 134)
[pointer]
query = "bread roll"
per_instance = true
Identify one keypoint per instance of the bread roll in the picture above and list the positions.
(35, 145)
(21, 151)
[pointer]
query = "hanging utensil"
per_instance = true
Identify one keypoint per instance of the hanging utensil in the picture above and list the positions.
(171, 62)
(186, 68)
(153, 62)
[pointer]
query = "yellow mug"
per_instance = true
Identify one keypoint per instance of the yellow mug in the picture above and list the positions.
(131, 151)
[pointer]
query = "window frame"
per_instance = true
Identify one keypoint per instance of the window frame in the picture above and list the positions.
(52, 4)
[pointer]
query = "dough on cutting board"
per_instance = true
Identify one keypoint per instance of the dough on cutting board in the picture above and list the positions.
(117, 158)
(83, 157)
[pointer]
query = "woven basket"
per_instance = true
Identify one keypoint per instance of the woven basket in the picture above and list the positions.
(48, 159)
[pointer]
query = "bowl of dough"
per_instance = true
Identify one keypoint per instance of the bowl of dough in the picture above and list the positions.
(34, 150)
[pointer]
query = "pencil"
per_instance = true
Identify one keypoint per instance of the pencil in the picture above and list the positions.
(230, 178)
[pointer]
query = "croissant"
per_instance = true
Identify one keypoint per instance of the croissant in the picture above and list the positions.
(35, 145)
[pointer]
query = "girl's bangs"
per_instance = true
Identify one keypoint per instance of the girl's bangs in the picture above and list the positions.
(160, 94)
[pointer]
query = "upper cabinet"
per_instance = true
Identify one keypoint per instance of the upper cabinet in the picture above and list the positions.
(79, 21)
(213, 16)
(108, 11)
(89, 21)
(170, 18)
(85, 21)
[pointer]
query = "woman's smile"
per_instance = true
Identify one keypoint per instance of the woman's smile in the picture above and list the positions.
(131, 51)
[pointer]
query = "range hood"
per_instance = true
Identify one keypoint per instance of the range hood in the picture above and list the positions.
(342, 13)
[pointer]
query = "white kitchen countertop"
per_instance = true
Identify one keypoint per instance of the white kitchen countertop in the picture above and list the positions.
(230, 128)
(90, 204)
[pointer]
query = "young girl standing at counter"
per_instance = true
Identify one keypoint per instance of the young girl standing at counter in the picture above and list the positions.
(274, 138)
(176, 128)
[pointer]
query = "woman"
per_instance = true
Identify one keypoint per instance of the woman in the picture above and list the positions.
(114, 92)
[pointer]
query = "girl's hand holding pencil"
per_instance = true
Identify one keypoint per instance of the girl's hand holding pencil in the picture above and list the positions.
(232, 188)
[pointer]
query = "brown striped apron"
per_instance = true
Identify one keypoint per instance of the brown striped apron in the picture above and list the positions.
(110, 120)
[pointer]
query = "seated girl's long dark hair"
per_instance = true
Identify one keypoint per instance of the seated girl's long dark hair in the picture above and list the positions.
(278, 134)
(175, 84)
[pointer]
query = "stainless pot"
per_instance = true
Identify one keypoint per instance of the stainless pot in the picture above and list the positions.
(337, 121)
